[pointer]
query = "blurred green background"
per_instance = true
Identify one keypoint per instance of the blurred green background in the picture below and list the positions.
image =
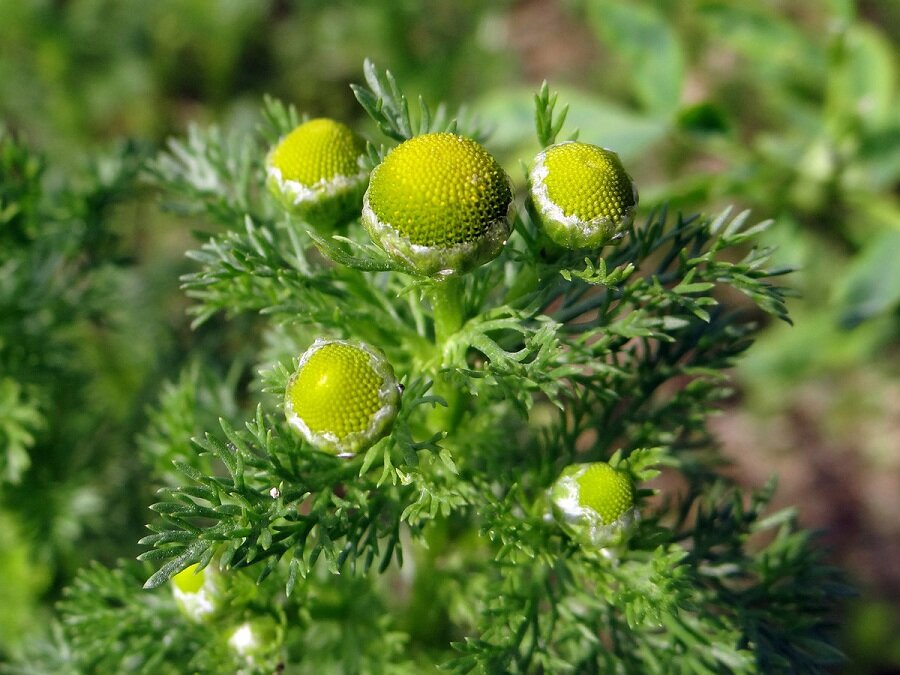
(788, 107)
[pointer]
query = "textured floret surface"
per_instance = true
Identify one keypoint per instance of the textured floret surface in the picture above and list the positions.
(336, 391)
(588, 182)
(439, 190)
(606, 491)
(317, 150)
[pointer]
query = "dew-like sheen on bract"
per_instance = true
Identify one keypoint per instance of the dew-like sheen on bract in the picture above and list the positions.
(582, 194)
(439, 202)
(593, 502)
(343, 396)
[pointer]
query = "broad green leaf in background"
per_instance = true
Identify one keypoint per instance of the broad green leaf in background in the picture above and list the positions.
(871, 284)
(770, 45)
(862, 78)
(642, 37)
(778, 72)
(815, 344)
(597, 121)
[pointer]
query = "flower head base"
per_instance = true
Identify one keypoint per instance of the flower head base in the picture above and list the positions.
(594, 503)
(315, 173)
(343, 397)
(197, 592)
(439, 203)
(582, 194)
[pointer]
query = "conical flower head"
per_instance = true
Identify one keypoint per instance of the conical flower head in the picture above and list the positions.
(439, 203)
(594, 503)
(582, 193)
(343, 397)
(315, 172)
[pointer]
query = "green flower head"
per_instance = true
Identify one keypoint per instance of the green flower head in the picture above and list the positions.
(594, 503)
(197, 592)
(315, 173)
(583, 196)
(343, 397)
(439, 203)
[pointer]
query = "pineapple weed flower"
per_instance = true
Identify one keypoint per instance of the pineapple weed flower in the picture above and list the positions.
(472, 468)
(343, 397)
(315, 173)
(439, 205)
(583, 195)
(594, 503)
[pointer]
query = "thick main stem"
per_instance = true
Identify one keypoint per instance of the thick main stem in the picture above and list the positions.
(447, 307)
(446, 303)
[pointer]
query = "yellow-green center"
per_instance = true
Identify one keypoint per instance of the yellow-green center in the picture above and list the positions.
(318, 150)
(587, 182)
(336, 391)
(440, 190)
(605, 490)
(189, 580)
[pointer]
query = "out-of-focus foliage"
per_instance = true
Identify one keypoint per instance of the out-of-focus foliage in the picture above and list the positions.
(23, 583)
(432, 516)
(72, 361)
(80, 71)
(792, 111)
(787, 107)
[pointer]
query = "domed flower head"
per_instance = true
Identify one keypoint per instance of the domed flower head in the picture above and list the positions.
(343, 397)
(439, 203)
(582, 194)
(197, 592)
(315, 173)
(594, 503)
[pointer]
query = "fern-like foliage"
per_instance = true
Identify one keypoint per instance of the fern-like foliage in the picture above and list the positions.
(72, 354)
(441, 530)
(57, 262)
(387, 105)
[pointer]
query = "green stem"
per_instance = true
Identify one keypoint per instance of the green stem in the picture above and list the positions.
(446, 302)
(447, 307)
(526, 282)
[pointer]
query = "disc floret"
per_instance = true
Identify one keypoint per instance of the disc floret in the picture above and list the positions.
(594, 503)
(582, 194)
(439, 204)
(315, 172)
(343, 397)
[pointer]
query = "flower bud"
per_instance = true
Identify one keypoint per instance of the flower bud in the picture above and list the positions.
(593, 503)
(315, 173)
(583, 196)
(343, 397)
(439, 203)
(197, 592)
(257, 641)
